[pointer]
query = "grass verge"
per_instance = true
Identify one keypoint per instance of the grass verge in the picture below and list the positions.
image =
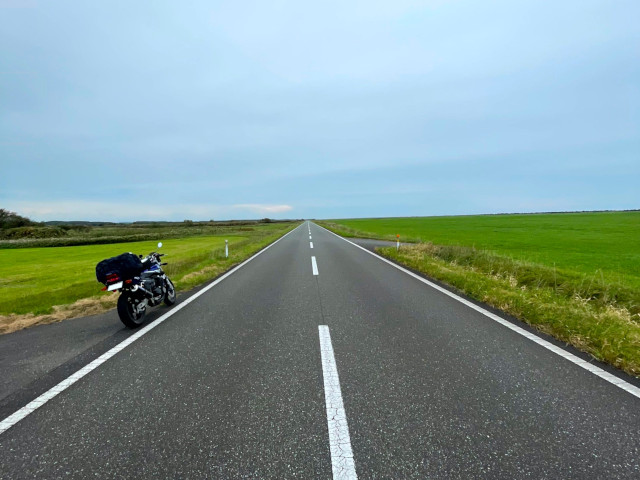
(588, 310)
(603, 242)
(45, 285)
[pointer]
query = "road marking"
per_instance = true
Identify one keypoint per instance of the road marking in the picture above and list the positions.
(311, 244)
(18, 415)
(309, 237)
(342, 462)
(617, 381)
(314, 265)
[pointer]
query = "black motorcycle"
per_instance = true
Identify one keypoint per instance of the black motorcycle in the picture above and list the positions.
(141, 282)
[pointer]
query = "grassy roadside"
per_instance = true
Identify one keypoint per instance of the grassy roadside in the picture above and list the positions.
(603, 242)
(45, 285)
(76, 235)
(588, 310)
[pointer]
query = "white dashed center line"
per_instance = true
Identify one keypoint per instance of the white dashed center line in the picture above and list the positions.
(342, 462)
(311, 244)
(314, 265)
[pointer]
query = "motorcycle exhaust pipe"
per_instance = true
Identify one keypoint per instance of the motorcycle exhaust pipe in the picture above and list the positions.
(144, 290)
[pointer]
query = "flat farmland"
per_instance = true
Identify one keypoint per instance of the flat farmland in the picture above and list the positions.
(34, 279)
(603, 243)
(45, 284)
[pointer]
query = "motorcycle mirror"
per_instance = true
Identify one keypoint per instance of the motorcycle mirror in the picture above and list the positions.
(159, 244)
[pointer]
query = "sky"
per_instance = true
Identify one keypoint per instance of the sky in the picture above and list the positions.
(158, 110)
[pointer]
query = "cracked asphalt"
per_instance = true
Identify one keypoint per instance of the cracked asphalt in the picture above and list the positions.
(232, 386)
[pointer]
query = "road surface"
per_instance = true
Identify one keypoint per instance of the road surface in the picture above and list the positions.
(318, 359)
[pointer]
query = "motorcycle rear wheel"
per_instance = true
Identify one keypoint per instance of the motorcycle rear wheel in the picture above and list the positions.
(128, 313)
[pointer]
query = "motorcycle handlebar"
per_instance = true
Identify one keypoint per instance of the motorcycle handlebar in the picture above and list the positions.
(155, 255)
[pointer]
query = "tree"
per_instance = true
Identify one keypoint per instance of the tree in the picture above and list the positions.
(12, 220)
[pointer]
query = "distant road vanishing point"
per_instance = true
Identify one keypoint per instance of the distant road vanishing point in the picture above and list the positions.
(318, 359)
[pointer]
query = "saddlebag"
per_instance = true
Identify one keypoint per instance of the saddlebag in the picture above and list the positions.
(126, 266)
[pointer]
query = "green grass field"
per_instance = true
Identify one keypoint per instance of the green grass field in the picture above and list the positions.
(590, 243)
(575, 276)
(73, 235)
(34, 280)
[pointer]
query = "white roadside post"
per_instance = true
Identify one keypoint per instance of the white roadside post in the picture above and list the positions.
(398, 242)
(226, 249)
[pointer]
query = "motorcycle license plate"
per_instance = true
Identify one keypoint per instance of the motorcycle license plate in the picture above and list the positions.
(115, 286)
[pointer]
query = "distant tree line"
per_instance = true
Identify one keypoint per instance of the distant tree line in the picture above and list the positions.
(13, 220)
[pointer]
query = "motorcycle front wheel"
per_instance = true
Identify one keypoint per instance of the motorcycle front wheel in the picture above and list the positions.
(170, 295)
(128, 312)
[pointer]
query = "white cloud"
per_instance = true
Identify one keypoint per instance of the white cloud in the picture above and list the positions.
(132, 211)
(258, 208)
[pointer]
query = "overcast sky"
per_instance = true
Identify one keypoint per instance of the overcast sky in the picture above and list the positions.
(197, 110)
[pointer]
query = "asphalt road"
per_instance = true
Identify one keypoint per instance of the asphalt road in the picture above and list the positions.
(236, 384)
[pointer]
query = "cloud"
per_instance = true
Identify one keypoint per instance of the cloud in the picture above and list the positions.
(132, 211)
(258, 208)
(18, 4)
(220, 110)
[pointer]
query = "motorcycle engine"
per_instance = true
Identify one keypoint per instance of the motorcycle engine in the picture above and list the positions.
(154, 285)
(157, 289)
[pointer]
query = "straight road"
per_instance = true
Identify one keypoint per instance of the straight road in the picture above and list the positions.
(317, 359)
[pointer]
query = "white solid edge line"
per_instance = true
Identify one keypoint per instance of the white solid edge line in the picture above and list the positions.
(314, 265)
(618, 382)
(18, 415)
(342, 463)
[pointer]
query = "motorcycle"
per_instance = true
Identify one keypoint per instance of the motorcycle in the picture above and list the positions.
(141, 282)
